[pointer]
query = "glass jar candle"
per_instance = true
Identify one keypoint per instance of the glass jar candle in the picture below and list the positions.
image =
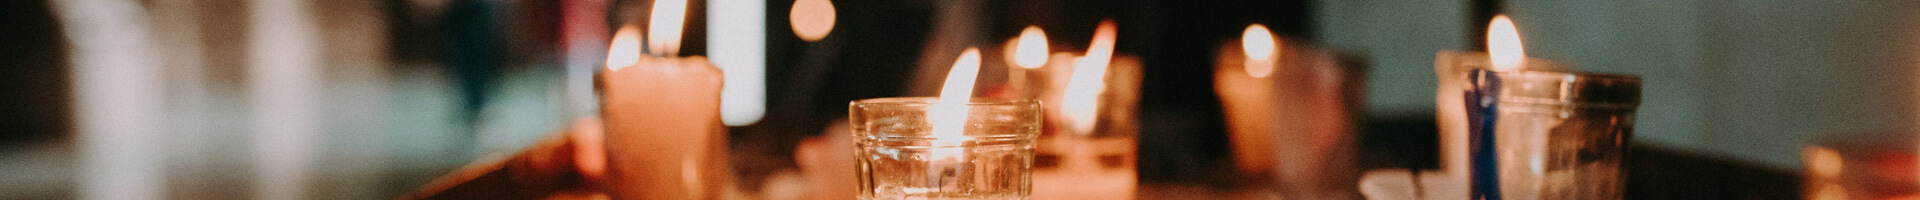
(901, 157)
(1549, 135)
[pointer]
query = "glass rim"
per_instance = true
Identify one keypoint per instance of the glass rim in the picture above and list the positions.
(882, 106)
(1580, 76)
(1581, 89)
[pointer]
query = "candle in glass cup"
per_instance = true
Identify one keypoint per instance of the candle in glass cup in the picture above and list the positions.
(1083, 93)
(1505, 53)
(1534, 134)
(1088, 149)
(901, 157)
(1096, 163)
(1549, 135)
(945, 148)
(664, 136)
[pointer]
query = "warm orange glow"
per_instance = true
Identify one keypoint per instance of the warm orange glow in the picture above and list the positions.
(668, 17)
(625, 49)
(1261, 48)
(1080, 102)
(1031, 50)
(812, 19)
(1823, 162)
(1503, 45)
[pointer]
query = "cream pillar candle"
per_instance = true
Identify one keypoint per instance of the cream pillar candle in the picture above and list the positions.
(664, 136)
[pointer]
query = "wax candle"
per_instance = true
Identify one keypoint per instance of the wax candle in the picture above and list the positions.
(1084, 93)
(1028, 53)
(662, 114)
(1451, 67)
(1543, 134)
(947, 119)
(946, 147)
(1290, 115)
(1505, 54)
(1088, 150)
(1247, 97)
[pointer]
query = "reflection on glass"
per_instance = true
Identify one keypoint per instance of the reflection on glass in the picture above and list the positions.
(900, 157)
(1549, 135)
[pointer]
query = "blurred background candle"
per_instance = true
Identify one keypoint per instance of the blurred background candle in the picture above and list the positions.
(664, 136)
(1089, 148)
(1248, 98)
(1873, 165)
(1028, 52)
(1085, 93)
(1291, 116)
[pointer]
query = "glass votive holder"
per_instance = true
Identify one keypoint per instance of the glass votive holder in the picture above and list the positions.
(900, 157)
(1549, 135)
(1089, 155)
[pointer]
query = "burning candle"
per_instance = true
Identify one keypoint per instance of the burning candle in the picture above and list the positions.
(1261, 50)
(1504, 54)
(1027, 53)
(1544, 134)
(1083, 91)
(1290, 116)
(664, 136)
(1248, 99)
(1090, 151)
(1030, 49)
(946, 147)
(1079, 101)
(948, 118)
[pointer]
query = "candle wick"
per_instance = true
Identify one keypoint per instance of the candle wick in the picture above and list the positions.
(938, 178)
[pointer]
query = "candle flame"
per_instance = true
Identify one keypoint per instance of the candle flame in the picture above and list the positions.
(667, 19)
(1261, 48)
(1031, 50)
(625, 49)
(1503, 45)
(812, 19)
(1080, 102)
(948, 115)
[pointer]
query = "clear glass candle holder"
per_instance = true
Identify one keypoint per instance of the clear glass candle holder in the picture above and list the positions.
(1549, 135)
(900, 157)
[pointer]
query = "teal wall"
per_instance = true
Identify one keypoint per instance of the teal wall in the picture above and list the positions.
(1752, 80)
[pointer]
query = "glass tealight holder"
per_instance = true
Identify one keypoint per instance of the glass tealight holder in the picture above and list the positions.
(900, 157)
(1549, 135)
